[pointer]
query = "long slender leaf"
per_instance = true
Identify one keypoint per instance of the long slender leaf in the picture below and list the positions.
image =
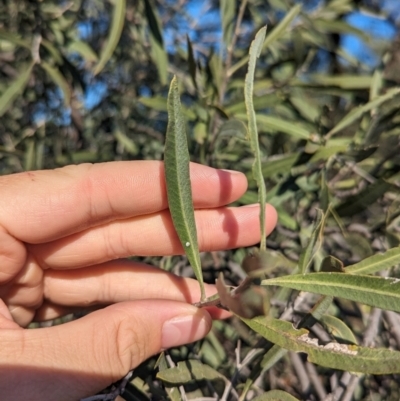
(10, 94)
(333, 355)
(59, 80)
(176, 158)
(381, 292)
(376, 263)
(255, 50)
(275, 34)
(356, 113)
(227, 12)
(307, 254)
(117, 25)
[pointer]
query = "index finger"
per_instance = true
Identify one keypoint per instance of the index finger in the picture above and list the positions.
(39, 206)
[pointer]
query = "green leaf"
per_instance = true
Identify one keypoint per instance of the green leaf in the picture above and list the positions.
(126, 142)
(173, 392)
(376, 263)
(332, 355)
(279, 125)
(357, 112)
(158, 53)
(117, 24)
(16, 88)
(84, 49)
(276, 395)
(338, 329)
(274, 35)
(255, 50)
(176, 159)
(227, 12)
(341, 81)
(189, 371)
(364, 199)
(381, 292)
(59, 80)
(307, 255)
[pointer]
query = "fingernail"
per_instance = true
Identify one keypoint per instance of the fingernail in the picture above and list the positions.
(231, 171)
(185, 329)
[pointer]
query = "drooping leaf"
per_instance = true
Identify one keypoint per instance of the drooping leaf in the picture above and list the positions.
(15, 89)
(333, 355)
(189, 371)
(276, 395)
(84, 49)
(176, 161)
(255, 50)
(376, 263)
(381, 292)
(59, 80)
(117, 24)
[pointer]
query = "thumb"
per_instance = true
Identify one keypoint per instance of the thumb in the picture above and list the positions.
(80, 358)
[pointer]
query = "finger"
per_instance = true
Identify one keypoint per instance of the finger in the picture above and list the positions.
(117, 281)
(80, 358)
(154, 235)
(12, 256)
(56, 203)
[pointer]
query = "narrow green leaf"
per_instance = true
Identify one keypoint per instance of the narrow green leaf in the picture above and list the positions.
(376, 263)
(16, 88)
(153, 22)
(126, 142)
(158, 53)
(341, 81)
(276, 395)
(227, 12)
(307, 255)
(338, 329)
(173, 392)
(176, 159)
(357, 112)
(332, 355)
(275, 34)
(280, 125)
(381, 292)
(255, 50)
(84, 49)
(14, 38)
(117, 24)
(192, 67)
(59, 80)
(189, 371)
(364, 199)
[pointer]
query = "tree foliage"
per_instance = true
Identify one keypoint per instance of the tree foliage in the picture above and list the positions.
(87, 81)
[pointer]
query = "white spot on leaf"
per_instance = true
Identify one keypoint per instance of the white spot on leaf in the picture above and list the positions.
(187, 244)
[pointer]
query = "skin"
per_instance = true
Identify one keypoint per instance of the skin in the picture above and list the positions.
(64, 237)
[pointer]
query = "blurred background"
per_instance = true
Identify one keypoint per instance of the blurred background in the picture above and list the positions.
(87, 80)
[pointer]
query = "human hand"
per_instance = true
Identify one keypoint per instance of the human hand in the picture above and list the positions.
(63, 236)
